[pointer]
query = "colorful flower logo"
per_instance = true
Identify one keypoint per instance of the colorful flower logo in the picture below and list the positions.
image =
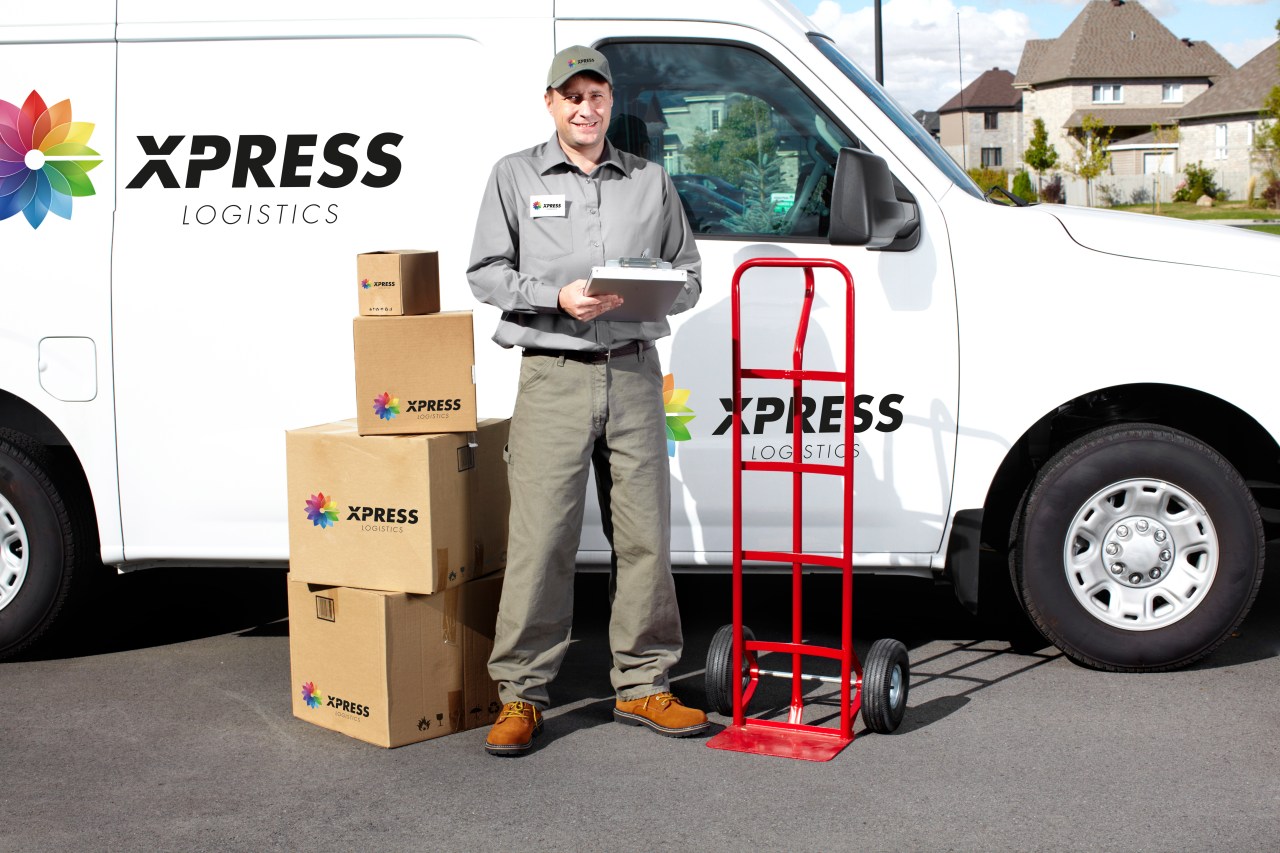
(678, 414)
(385, 406)
(311, 696)
(44, 156)
(537, 205)
(364, 282)
(322, 511)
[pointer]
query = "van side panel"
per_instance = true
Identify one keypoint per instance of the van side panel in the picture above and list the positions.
(57, 75)
(252, 171)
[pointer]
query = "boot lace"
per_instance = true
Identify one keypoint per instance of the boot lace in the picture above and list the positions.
(663, 699)
(517, 710)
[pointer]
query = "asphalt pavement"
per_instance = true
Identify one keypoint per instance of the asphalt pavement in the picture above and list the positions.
(168, 726)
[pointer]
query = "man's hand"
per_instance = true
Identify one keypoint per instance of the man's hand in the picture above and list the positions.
(582, 307)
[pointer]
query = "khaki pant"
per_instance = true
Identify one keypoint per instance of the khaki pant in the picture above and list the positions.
(569, 416)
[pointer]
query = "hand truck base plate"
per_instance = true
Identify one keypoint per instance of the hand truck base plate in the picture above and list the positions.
(784, 743)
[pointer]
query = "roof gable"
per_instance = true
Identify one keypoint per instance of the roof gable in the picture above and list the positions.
(1119, 39)
(992, 90)
(1244, 92)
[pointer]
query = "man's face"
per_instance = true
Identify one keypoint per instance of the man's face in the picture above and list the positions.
(580, 109)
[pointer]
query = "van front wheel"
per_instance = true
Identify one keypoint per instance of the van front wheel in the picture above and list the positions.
(41, 543)
(1140, 548)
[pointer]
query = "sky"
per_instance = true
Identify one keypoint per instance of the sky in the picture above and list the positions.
(924, 65)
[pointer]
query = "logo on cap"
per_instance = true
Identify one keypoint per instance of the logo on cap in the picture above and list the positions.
(576, 62)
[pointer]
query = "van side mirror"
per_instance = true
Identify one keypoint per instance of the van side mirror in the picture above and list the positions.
(868, 207)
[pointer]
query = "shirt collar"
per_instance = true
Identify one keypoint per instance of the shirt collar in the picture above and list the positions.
(553, 157)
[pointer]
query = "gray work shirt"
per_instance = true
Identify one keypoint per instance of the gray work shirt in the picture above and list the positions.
(519, 262)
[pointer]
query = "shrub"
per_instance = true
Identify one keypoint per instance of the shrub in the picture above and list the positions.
(1271, 195)
(1052, 192)
(1022, 186)
(1140, 196)
(1198, 182)
(987, 178)
(1108, 195)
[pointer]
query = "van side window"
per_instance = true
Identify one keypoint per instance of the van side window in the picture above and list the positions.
(750, 152)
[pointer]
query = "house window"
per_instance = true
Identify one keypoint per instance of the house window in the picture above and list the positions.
(991, 158)
(991, 121)
(1220, 142)
(1109, 93)
(1171, 93)
(1249, 129)
(715, 119)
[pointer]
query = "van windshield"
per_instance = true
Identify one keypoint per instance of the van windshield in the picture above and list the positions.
(899, 116)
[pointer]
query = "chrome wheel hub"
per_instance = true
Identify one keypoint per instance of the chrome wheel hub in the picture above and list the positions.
(1140, 554)
(13, 553)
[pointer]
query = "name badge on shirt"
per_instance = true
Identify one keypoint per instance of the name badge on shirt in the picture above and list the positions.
(546, 205)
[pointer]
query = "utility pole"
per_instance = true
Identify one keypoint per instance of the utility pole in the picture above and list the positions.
(879, 48)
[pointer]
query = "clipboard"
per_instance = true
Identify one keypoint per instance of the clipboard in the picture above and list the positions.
(647, 291)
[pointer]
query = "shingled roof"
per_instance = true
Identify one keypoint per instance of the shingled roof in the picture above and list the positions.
(1117, 39)
(993, 90)
(1242, 92)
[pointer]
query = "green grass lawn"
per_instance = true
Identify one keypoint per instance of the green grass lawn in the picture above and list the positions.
(1267, 229)
(1188, 210)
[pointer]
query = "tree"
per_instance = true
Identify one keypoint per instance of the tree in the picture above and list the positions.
(1266, 140)
(1165, 136)
(1091, 156)
(1040, 155)
(746, 135)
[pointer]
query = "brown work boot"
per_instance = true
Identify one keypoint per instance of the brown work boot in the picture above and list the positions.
(513, 734)
(663, 713)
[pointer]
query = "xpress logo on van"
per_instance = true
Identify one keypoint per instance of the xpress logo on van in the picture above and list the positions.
(299, 161)
(44, 158)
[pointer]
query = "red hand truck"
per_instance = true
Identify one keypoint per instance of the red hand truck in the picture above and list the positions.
(881, 692)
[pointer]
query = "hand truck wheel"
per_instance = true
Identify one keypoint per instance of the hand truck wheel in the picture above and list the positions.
(719, 673)
(886, 680)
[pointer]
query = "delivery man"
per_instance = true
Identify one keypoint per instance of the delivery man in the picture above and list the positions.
(590, 394)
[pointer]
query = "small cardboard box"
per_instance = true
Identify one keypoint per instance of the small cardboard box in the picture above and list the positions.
(412, 513)
(393, 668)
(416, 374)
(398, 283)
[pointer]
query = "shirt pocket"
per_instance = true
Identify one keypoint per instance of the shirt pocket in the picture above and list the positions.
(549, 237)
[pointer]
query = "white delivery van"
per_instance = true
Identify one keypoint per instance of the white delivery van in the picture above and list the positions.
(184, 188)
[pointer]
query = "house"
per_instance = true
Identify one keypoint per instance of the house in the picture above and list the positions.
(1218, 127)
(1117, 62)
(982, 124)
(929, 120)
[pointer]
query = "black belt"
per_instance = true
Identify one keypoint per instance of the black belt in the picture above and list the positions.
(591, 357)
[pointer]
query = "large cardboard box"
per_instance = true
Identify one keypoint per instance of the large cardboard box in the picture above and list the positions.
(393, 668)
(415, 375)
(397, 283)
(410, 513)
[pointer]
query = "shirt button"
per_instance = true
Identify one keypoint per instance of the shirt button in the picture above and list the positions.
(591, 210)
(597, 245)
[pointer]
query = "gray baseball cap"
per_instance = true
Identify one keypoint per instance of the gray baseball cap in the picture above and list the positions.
(574, 60)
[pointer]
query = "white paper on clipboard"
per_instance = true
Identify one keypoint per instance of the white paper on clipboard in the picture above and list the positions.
(647, 292)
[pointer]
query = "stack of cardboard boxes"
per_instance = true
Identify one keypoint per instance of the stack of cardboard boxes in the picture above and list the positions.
(398, 526)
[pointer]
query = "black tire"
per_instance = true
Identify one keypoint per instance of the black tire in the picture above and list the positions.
(45, 543)
(886, 683)
(719, 672)
(1165, 608)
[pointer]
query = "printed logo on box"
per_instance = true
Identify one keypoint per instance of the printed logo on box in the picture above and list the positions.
(44, 156)
(366, 284)
(311, 697)
(322, 511)
(677, 413)
(385, 406)
(314, 699)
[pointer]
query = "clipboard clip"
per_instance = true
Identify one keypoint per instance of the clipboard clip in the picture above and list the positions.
(641, 262)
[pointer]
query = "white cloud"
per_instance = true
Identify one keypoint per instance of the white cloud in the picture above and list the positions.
(922, 61)
(1237, 2)
(1240, 52)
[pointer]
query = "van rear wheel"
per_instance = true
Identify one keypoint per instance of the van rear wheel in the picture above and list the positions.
(1140, 548)
(43, 539)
